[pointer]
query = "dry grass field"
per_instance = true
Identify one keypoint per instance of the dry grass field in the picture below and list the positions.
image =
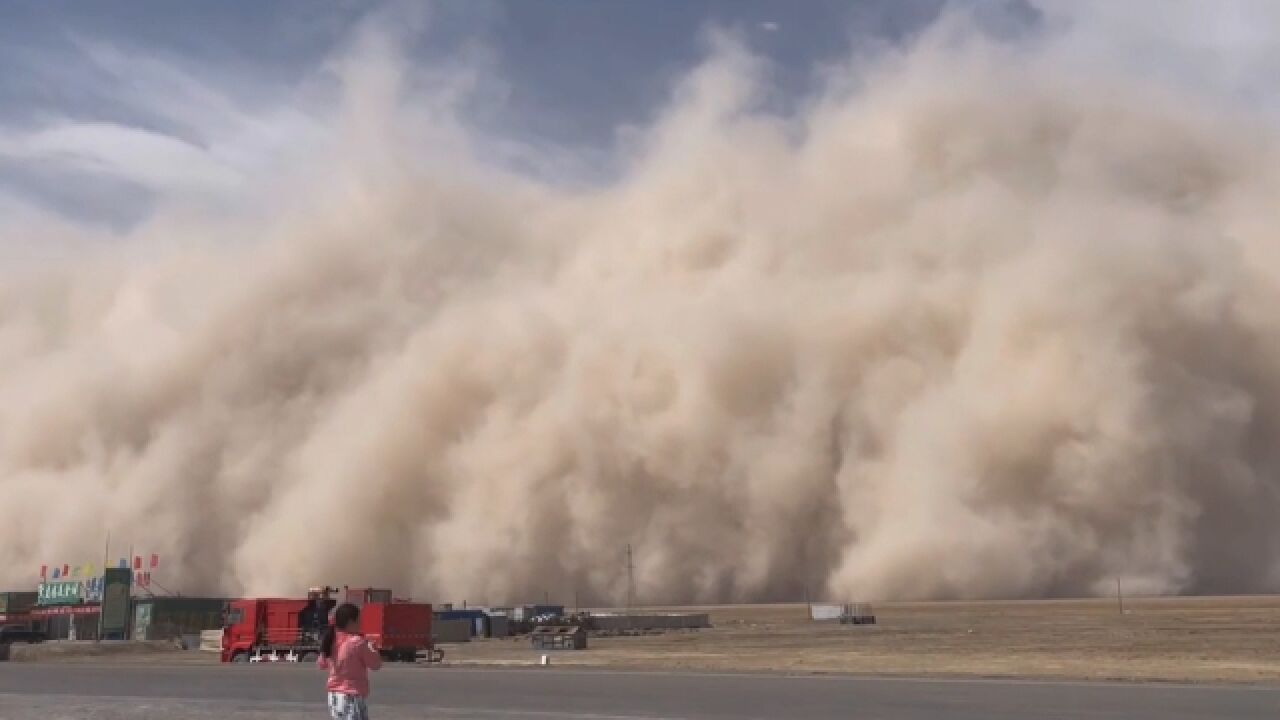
(1175, 639)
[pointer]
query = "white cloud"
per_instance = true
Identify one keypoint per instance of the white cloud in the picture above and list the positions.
(171, 128)
(157, 161)
(1225, 47)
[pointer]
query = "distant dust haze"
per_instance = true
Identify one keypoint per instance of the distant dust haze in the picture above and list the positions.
(988, 315)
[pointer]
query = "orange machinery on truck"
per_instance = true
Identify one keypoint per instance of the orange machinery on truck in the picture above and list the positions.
(289, 630)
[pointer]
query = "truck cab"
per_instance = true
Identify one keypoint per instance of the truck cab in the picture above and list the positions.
(265, 625)
(240, 623)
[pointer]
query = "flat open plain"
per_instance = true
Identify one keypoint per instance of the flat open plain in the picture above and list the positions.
(1184, 658)
(1176, 639)
(1219, 640)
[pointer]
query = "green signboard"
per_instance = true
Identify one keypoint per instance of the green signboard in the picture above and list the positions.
(59, 593)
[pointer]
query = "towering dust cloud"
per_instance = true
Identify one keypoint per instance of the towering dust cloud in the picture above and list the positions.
(984, 318)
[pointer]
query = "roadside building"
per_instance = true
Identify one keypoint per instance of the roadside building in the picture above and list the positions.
(68, 609)
(15, 609)
(80, 610)
(170, 618)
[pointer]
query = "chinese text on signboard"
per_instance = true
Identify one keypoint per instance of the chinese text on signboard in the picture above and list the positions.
(59, 593)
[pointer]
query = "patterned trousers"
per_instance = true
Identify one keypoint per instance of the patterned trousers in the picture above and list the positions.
(347, 707)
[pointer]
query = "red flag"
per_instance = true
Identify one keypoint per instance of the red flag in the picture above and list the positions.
(137, 562)
(44, 571)
(66, 571)
(155, 561)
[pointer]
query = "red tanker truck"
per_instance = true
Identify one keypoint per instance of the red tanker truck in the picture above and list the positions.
(289, 630)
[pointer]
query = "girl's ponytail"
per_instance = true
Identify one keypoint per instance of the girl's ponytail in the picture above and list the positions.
(342, 617)
(326, 641)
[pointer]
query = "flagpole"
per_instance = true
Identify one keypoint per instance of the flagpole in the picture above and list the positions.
(106, 553)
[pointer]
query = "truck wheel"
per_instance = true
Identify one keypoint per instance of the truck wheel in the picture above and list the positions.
(240, 657)
(310, 657)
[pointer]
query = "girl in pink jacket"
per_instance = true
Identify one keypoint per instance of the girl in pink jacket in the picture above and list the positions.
(348, 657)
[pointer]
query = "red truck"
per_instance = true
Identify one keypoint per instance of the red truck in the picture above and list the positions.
(288, 630)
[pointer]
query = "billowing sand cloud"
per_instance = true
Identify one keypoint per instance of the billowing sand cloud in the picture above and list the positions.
(981, 320)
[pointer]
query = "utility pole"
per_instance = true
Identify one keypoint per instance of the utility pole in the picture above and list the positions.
(808, 601)
(1119, 597)
(631, 578)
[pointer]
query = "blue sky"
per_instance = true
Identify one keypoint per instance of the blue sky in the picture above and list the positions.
(104, 106)
(565, 73)
(575, 67)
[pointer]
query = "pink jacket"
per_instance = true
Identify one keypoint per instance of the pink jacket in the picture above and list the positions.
(349, 667)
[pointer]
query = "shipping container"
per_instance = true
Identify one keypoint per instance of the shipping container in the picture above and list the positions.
(848, 613)
(475, 619)
(451, 631)
(460, 615)
(499, 626)
(825, 611)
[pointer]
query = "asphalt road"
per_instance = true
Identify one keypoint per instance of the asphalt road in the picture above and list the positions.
(94, 692)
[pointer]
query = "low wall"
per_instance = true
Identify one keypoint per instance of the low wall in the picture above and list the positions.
(657, 621)
(72, 650)
(211, 641)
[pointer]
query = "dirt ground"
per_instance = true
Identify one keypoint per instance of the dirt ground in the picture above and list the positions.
(1176, 639)
(1182, 639)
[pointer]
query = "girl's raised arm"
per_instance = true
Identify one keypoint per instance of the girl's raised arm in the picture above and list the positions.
(372, 658)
